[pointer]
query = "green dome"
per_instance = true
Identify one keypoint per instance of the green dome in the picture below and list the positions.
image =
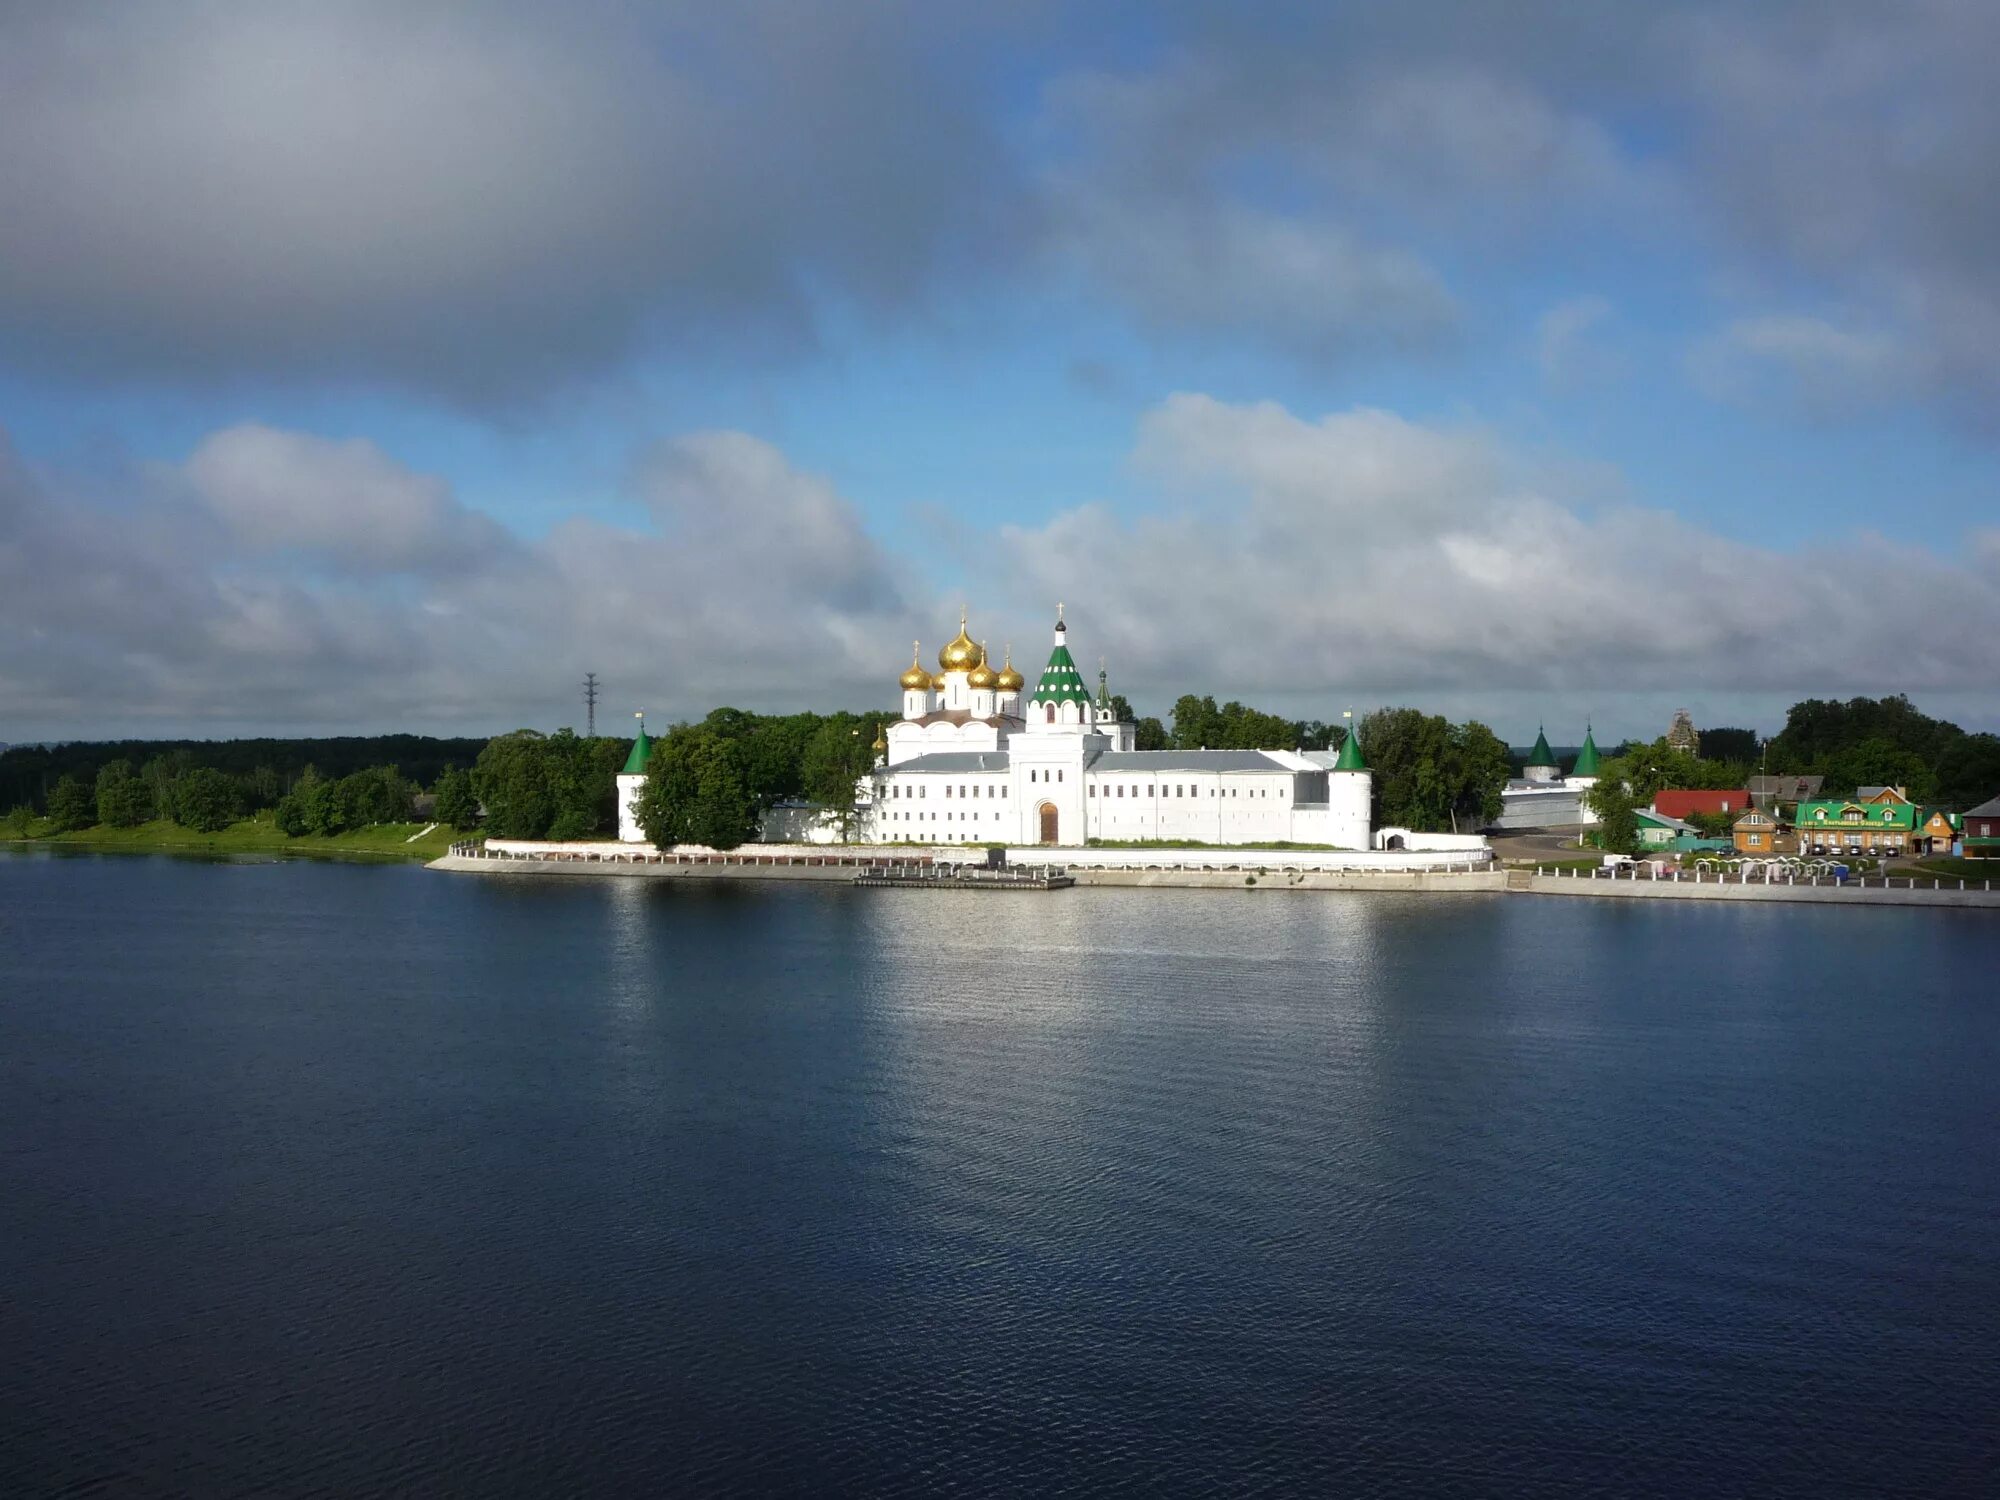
(1586, 758)
(1541, 755)
(1349, 758)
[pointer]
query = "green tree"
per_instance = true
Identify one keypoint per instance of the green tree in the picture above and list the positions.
(1968, 771)
(836, 758)
(122, 798)
(206, 800)
(72, 805)
(511, 779)
(1730, 745)
(695, 791)
(1479, 772)
(1817, 730)
(1431, 774)
(1878, 762)
(312, 806)
(1617, 813)
(262, 787)
(20, 819)
(162, 776)
(1197, 723)
(457, 807)
(1151, 734)
(376, 795)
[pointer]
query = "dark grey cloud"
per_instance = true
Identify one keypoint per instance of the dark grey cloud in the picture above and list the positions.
(475, 200)
(1827, 173)
(488, 201)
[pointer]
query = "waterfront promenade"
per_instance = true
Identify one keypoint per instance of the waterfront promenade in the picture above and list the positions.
(1702, 885)
(1206, 869)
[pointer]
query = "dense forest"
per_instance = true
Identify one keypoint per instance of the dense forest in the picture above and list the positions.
(28, 773)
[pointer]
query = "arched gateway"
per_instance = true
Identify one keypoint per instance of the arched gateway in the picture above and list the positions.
(1048, 815)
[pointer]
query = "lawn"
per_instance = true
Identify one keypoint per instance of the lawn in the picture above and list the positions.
(251, 836)
(1946, 870)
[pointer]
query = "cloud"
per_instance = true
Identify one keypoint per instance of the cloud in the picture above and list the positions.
(345, 502)
(1304, 563)
(1567, 350)
(204, 604)
(1365, 552)
(1313, 288)
(475, 202)
(1818, 367)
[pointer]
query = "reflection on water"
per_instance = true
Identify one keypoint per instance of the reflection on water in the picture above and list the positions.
(368, 1180)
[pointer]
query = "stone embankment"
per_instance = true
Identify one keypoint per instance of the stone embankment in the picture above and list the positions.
(1213, 869)
(1877, 890)
(592, 860)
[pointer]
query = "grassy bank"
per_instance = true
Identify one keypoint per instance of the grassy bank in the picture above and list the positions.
(251, 836)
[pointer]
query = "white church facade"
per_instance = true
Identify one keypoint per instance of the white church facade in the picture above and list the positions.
(980, 757)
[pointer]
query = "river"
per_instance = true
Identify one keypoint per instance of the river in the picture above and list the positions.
(345, 1179)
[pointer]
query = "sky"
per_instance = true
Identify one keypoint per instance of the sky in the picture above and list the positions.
(388, 366)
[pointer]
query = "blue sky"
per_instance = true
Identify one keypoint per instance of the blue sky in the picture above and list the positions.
(378, 366)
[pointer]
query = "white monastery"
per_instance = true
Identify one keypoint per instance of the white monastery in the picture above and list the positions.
(979, 757)
(1542, 796)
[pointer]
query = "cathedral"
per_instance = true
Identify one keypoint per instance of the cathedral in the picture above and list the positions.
(980, 757)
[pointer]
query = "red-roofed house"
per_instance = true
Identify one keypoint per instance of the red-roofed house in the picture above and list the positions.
(1687, 804)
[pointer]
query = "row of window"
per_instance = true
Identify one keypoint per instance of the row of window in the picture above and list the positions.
(1181, 790)
(919, 789)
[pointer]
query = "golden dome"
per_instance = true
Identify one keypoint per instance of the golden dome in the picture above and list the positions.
(916, 679)
(1009, 681)
(983, 675)
(881, 743)
(963, 653)
(938, 682)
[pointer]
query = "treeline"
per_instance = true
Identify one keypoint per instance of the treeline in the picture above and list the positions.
(29, 773)
(1199, 725)
(1429, 773)
(1886, 742)
(207, 800)
(707, 783)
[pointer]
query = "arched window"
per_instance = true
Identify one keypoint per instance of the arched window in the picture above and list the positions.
(1051, 709)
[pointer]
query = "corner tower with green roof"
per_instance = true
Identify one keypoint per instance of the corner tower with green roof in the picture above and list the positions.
(1349, 758)
(1586, 758)
(631, 782)
(642, 751)
(1541, 760)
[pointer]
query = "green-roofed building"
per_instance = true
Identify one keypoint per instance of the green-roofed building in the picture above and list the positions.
(1840, 826)
(1542, 764)
(1060, 696)
(1587, 758)
(642, 751)
(631, 782)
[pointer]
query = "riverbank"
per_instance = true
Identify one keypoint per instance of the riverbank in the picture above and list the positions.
(414, 841)
(1866, 891)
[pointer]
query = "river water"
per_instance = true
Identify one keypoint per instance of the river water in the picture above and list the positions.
(335, 1179)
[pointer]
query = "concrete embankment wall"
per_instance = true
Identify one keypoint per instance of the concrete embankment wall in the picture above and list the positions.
(588, 868)
(1850, 894)
(1260, 879)
(1300, 880)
